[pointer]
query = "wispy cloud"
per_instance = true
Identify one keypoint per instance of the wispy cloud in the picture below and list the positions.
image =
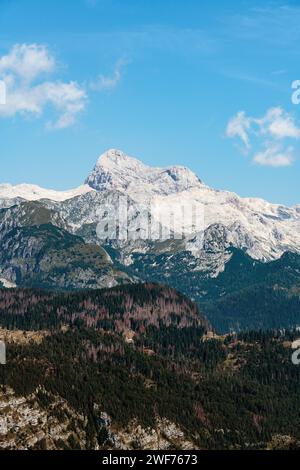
(274, 128)
(271, 24)
(108, 82)
(24, 70)
(244, 77)
(140, 40)
(239, 126)
(275, 155)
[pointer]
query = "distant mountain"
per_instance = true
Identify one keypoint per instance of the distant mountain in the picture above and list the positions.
(31, 192)
(223, 265)
(264, 230)
(247, 294)
(115, 170)
(50, 257)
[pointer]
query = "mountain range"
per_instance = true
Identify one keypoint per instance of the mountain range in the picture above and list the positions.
(125, 337)
(263, 229)
(49, 239)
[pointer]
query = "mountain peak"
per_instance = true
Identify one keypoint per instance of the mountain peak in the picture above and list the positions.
(117, 157)
(119, 171)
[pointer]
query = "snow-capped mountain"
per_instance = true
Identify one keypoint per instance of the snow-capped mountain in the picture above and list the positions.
(262, 229)
(115, 170)
(31, 192)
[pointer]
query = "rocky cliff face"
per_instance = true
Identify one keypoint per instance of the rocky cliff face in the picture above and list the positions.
(117, 171)
(27, 423)
(264, 230)
(43, 421)
(47, 256)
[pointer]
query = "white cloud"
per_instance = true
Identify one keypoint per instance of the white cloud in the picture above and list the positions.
(279, 124)
(23, 70)
(273, 128)
(108, 82)
(275, 156)
(27, 62)
(239, 126)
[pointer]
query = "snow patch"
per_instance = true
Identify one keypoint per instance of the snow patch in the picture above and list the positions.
(31, 192)
(7, 284)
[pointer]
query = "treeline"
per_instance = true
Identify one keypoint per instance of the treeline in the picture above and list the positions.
(129, 306)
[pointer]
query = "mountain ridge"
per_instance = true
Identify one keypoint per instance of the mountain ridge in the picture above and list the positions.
(116, 170)
(265, 230)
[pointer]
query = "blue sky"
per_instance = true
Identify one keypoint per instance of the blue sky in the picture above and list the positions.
(201, 84)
